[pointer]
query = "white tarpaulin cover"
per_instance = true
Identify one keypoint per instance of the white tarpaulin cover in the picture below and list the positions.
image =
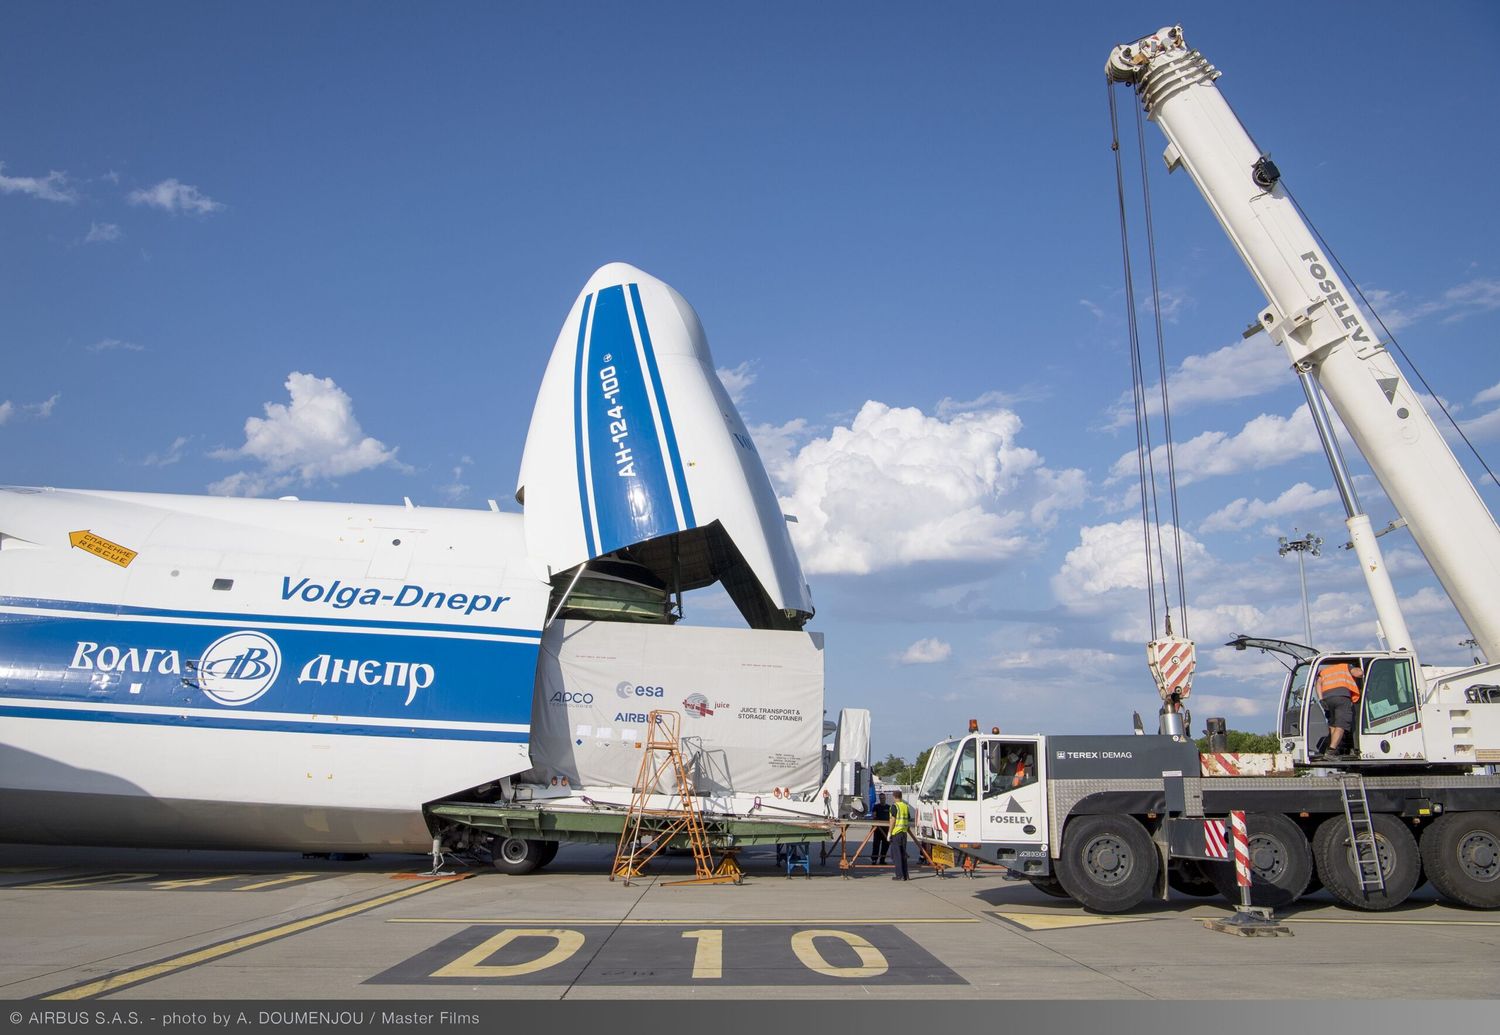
(853, 741)
(751, 703)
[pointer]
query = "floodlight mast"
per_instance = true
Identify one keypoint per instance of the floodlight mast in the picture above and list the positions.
(1329, 341)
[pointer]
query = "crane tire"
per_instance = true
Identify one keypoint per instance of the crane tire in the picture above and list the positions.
(1281, 863)
(517, 855)
(1108, 863)
(1191, 877)
(1461, 856)
(1048, 886)
(1400, 862)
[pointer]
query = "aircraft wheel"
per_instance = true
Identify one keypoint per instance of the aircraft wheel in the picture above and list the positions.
(1461, 855)
(1108, 863)
(1048, 886)
(1396, 848)
(1191, 878)
(516, 855)
(1281, 863)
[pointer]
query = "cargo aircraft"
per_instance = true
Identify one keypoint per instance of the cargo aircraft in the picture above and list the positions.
(281, 674)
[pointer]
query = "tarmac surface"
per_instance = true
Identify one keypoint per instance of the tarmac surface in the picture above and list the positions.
(117, 924)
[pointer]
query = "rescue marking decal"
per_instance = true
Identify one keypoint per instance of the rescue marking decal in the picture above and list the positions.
(84, 539)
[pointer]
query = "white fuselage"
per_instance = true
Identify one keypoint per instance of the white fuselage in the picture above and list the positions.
(354, 663)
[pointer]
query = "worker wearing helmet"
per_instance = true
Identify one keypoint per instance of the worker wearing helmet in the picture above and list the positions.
(900, 824)
(1338, 692)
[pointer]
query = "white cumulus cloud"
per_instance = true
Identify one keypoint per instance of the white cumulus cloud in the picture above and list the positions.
(1242, 513)
(174, 196)
(28, 411)
(1480, 295)
(1265, 441)
(927, 652)
(897, 487)
(737, 380)
(314, 437)
(1112, 557)
(52, 187)
(1236, 371)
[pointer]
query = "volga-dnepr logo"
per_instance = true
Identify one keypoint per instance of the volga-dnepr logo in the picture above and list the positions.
(238, 668)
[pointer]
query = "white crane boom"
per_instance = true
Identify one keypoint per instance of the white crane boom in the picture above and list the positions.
(1330, 342)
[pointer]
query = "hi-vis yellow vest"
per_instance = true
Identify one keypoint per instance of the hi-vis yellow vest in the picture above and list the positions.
(900, 818)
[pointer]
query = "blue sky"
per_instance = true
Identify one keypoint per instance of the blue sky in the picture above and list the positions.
(898, 224)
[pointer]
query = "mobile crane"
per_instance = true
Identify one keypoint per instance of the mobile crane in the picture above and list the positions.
(1107, 820)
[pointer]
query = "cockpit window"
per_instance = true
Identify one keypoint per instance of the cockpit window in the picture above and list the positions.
(1011, 766)
(965, 786)
(936, 777)
(1291, 716)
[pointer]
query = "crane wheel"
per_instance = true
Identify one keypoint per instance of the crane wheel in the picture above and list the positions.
(517, 856)
(1108, 863)
(1461, 856)
(1400, 862)
(1281, 863)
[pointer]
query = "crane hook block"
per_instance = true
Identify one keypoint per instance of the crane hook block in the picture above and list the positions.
(1172, 660)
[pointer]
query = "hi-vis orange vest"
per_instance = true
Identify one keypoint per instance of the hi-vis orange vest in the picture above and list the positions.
(1334, 678)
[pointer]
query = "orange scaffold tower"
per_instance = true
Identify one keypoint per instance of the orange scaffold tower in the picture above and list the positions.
(651, 826)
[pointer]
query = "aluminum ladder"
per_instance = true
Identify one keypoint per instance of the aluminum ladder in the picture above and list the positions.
(1361, 832)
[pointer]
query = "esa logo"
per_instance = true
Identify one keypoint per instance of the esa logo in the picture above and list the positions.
(626, 690)
(239, 668)
(570, 697)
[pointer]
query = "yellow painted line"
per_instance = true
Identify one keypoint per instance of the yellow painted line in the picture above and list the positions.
(711, 922)
(152, 971)
(106, 549)
(93, 880)
(290, 878)
(1060, 921)
(193, 882)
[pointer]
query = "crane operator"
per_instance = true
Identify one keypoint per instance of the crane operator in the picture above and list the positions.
(1338, 693)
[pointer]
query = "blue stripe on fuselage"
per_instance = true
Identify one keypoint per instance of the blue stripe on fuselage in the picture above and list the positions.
(632, 498)
(590, 547)
(231, 722)
(405, 676)
(258, 620)
(678, 472)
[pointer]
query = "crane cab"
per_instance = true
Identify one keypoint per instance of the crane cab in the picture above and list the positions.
(984, 796)
(1388, 727)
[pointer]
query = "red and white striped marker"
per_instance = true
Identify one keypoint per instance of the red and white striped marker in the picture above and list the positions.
(1241, 851)
(1214, 843)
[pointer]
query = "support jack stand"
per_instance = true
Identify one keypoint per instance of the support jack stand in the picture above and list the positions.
(437, 861)
(1250, 922)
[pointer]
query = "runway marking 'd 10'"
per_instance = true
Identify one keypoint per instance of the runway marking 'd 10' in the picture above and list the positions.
(605, 954)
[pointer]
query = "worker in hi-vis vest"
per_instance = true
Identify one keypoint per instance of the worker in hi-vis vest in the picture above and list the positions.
(900, 824)
(1338, 692)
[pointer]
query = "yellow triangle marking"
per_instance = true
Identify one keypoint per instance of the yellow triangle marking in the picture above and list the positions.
(1058, 921)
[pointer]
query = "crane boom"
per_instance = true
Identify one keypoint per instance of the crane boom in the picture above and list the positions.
(1329, 341)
